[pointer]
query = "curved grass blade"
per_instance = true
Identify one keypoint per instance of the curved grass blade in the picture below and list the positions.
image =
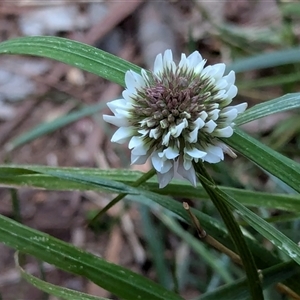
(118, 280)
(48, 127)
(275, 163)
(58, 291)
(263, 257)
(266, 60)
(18, 176)
(281, 241)
(238, 290)
(284, 103)
(73, 53)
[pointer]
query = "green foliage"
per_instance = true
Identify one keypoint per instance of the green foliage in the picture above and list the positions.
(281, 264)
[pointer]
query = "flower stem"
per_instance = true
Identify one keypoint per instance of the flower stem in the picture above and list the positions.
(118, 198)
(234, 230)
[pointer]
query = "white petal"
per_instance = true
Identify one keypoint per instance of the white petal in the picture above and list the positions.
(229, 115)
(168, 60)
(177, 130)
(193, 136)
(155, 133)
(230, 78)
(203, 115)
(122, 134)
(211, 158)
(128, 96)
(183, 64)
(220, 69)
(198, 69)
(120, 122)
(221, 84)
(166, 139)
(171, 153)
(199, 123)
(210, 126)
(226, 149)
(195, 153)
(158, 64)
(194, 59)
(135, 141)
(189, 174)
(117, 105)
(138, 159)
(161, 165)
(214, 114)
(240, 107)
(165, 178)
(214, 154)
(224, 132)
(232, 92)
(130, 81)
(215, 72)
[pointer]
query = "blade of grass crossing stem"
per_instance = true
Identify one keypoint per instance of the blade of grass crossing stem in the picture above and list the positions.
(263, 257)
(73, 53)
(235, 233)
(155, 239)
(144, 177)
(284, 103)
(28, 176)
(281, 241)
(275, 163)
(205, 255)
(266, 60)
(48, 127)
(118, 280)
(58, 291)
(238, 290)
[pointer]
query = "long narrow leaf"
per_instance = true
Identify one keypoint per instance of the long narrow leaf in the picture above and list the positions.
(238, 290)
(55, 290)
(284, 103)
(18, 176)
(278, 165)
(76, 54)
(120, 281)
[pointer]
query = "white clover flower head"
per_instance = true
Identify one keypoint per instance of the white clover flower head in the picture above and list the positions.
(176, 114)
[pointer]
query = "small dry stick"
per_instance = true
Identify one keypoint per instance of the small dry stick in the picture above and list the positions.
(217, 245)
(209, 239)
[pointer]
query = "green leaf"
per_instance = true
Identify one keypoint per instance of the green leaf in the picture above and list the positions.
(278, 165)
(118, 280)
(18, 176)
(266, 60)
(242, 249)
(73, 53)
(281, 241)
(61, 292)
(284, 103)
(48, 127)
(263, 257)
(238, 290)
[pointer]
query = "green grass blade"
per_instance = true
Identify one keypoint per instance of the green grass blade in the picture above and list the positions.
(238, 290)
(278, 165)
(263, 257)
(281, 241)
(266, 60)
(120, 281)
(58, 291)
(18, 176)
(48, 127)
(241, 247)
(211, 260)
(73, 53)
(284, 103)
